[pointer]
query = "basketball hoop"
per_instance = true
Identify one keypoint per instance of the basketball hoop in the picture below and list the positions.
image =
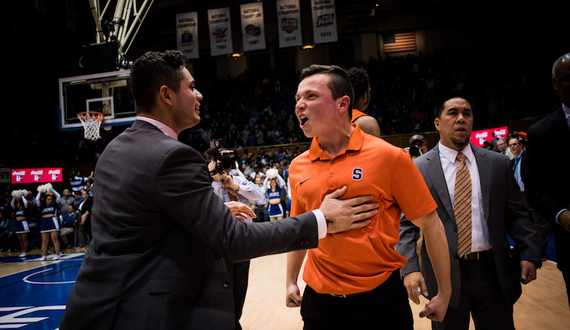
(91, 121)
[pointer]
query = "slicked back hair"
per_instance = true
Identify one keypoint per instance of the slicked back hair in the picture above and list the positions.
(151, 71)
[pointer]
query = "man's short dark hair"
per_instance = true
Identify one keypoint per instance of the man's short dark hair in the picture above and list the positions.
(360, 82)
(339, 82)
(151, 71)
(461, 92)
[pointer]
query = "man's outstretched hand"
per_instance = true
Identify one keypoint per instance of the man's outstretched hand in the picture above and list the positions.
(347, 214)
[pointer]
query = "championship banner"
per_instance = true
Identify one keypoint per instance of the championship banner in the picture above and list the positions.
(289, 20)
(220, 31)
(252, 27)
(324, 21)
(187, 34)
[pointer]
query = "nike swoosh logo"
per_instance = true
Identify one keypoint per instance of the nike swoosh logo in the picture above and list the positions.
(300, 183)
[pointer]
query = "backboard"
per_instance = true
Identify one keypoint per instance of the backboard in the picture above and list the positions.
(107, 92)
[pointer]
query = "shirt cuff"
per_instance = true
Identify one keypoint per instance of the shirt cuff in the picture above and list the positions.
(321, 223)
(557, 215)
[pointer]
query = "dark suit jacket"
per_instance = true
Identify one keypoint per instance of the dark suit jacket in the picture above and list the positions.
(547, 178)
(504, 213)
(160, 236)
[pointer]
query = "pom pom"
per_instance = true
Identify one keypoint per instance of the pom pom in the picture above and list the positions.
(19, 193)
(272, 173)
(45, 188)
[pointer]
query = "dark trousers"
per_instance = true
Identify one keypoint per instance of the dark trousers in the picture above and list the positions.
(385, 307)
(482, 297)
(262, 214)
(239, 274)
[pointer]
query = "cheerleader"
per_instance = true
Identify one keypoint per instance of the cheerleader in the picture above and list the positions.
(273, 185)
(20, 205)
(50, 222)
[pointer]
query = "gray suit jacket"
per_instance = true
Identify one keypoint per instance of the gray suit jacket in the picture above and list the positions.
(160, 236)
(504, 213)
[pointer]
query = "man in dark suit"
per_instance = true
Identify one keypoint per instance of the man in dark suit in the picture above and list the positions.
(485, 271)
(518, 164)
(548, 166)
(160, 234)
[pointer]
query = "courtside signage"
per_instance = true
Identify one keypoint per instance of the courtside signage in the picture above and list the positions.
(479, 138)
(37, 175)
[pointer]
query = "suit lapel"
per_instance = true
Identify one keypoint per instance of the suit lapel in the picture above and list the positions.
(435, 174)
(485, 175)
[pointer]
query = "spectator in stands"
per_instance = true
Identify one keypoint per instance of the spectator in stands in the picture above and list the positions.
(504, 148)
(77, 182)
(78, 198)
(84, 222)
(419, 141)
(8, 233)
(68, 223)
(64, 201)
(245, 135)
(89, 187)
(260, 207)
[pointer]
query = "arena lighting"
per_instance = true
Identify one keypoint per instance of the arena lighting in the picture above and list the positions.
(236, 55)
(308, 46)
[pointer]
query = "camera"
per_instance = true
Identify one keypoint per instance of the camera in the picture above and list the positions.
(415, 151)
(225, 160)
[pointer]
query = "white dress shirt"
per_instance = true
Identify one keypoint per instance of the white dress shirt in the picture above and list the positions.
(479, 229)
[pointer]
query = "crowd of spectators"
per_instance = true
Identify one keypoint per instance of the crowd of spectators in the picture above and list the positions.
(257, 108)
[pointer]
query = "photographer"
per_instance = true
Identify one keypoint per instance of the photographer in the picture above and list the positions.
(418, 146)
(232, 186)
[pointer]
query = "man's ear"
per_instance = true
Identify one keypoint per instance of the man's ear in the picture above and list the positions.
(436, 123)
(164, 94)
(343, 103)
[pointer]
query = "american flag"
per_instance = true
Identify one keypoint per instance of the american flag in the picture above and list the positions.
(399, 42)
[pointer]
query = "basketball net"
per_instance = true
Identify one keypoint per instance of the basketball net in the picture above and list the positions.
(91, 121)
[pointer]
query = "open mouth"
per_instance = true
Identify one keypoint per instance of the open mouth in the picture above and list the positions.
(303, 120)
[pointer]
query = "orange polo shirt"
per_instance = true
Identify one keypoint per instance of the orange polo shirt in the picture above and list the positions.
(357, 114)
(358, 260)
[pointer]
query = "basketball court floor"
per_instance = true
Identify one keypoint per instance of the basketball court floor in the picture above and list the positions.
(33, 295)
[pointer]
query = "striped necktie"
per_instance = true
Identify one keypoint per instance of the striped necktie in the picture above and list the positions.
(462, 206)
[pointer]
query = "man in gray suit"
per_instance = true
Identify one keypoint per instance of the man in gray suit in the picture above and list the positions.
(160, 234)
(485, 270)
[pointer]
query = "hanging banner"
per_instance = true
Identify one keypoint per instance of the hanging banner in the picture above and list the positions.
(187, 34)
(220, 31)
(289, 20)
(252, 26)
(324, 21)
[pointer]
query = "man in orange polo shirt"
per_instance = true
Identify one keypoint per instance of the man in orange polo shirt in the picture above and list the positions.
(353, 278)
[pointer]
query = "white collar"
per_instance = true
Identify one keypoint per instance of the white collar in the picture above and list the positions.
(451, 154)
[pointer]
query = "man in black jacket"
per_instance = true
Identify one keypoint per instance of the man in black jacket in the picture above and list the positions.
(547, 166)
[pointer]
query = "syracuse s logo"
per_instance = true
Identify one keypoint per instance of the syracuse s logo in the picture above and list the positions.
(357, 174)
